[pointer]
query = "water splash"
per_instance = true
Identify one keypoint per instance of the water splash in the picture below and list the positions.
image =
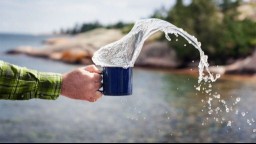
(124, 52)
(229, 123)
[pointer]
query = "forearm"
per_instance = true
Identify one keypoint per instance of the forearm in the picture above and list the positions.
(17, 83)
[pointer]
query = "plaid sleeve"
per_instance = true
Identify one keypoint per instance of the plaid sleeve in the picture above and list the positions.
(18, 83)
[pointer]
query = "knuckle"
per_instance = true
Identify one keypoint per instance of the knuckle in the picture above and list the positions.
(88, 66)
(91, 76)
(90, 79)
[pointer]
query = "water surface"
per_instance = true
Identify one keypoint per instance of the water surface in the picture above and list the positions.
(164, 107)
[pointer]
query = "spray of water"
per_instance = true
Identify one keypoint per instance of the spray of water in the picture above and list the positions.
(124, 52)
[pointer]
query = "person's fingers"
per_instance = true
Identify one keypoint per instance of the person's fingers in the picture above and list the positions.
(95, 97)
(97, 86)
(92, 69)
(97, 77)
(92, 99)
(98, 95)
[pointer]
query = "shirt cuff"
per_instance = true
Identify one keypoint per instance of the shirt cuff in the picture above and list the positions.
(49, 85)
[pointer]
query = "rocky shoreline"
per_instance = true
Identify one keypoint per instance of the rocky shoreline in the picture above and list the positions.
(79, 49)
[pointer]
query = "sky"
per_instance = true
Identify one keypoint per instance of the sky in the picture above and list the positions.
(46, 16)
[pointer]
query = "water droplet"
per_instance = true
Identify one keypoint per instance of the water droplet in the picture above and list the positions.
(243, 114)
(217, 96)
(249, 122)
(193, 61)
(254, 130)
(217, 76)
(227, 110)
(236, 111)
(177, 39)
(168, 118)
(199, 44)
(222, 101)
(238, 99)
(167, 37)
(210, 112)
(185, 45)
(229, 123)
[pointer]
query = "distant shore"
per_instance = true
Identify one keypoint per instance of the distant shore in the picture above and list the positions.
(80, 48)
(194, 72)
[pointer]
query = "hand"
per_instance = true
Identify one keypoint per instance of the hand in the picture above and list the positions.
(82, 83)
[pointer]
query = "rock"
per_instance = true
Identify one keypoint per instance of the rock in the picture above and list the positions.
(241, 66)
(75, 55)
(247, 11)
(73, 49)
(55, 41)
(80, 48)
(218, 70)
(244, 66)
(22, 49)
(157, 54)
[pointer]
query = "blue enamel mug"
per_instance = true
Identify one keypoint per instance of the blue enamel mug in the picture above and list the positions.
(117, 81)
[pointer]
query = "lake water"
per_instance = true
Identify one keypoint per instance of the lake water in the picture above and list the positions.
(164, 107)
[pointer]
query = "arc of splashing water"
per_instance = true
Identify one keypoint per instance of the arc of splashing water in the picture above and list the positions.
(140, 32)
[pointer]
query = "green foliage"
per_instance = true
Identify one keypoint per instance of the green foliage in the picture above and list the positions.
(83, 28)
(118, 25)
(226, 5)
(127, 28)
(213, 22)
(90, 26)
(199, 19)
(238, 39)
(216, 26)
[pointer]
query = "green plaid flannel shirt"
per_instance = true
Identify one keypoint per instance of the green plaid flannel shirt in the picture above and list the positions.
(18, 83)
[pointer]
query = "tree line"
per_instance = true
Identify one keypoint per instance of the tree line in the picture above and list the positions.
(214, 23)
